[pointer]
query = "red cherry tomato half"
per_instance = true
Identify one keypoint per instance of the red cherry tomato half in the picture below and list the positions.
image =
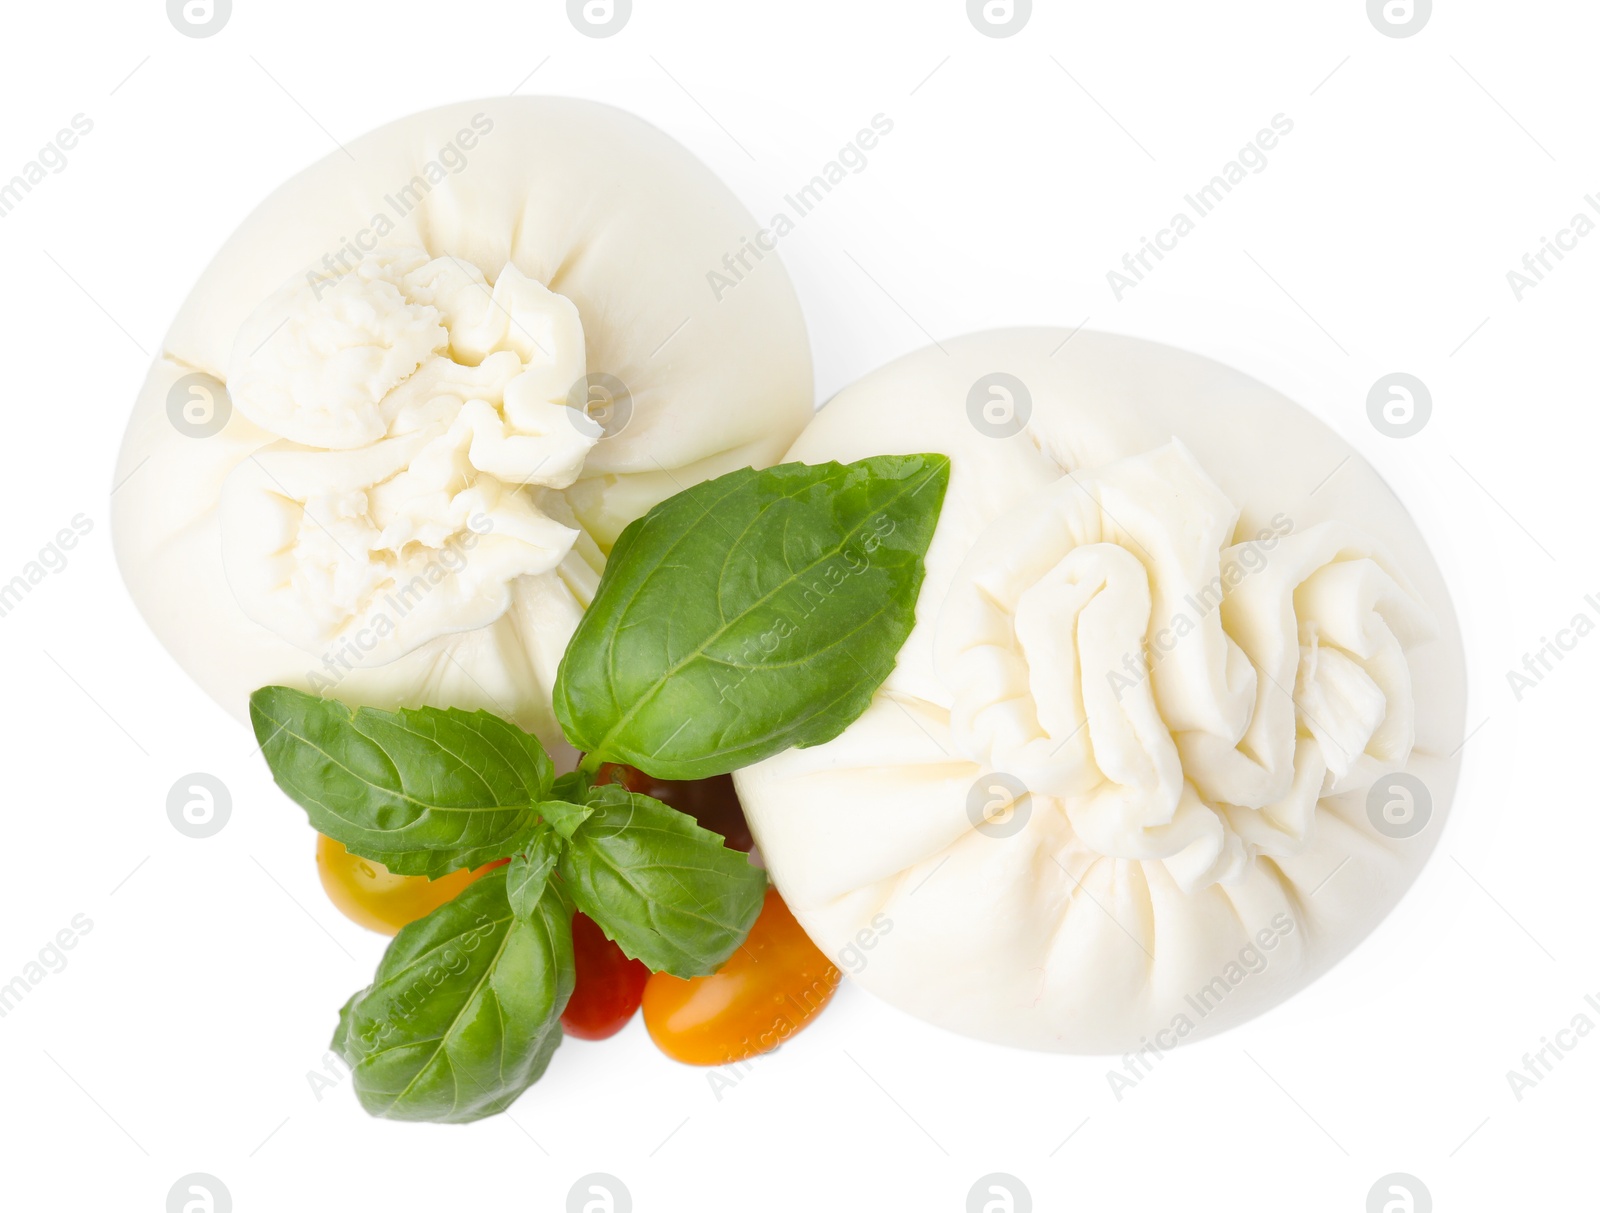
(776, 983)
(609, 985)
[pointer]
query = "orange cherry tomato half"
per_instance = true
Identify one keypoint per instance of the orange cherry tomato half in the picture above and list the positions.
(609, 986)
(771, 987)
(368, 894)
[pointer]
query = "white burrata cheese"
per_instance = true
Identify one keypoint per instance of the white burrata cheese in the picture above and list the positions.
(405, 413)
(1177, 722)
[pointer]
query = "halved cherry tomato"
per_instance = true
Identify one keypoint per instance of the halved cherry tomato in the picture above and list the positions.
(368, 894)
(770, 988)
(609, 985)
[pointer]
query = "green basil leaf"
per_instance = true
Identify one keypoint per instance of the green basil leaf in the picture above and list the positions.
(465, 1009)
(751, 613)
(423, 791)
(573, 787)
(528, 874)
(668, 892)
(564, 817)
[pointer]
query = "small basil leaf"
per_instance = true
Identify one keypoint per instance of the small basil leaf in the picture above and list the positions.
(528, 874)
(573, 787)
(751, 613)
(464, 1011)
(563, 816)
(668, 892)
(424, 791)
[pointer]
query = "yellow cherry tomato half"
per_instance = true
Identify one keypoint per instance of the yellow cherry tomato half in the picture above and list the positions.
(773, 985)
(369, 894)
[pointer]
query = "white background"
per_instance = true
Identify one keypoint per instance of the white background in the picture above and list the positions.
(1020, 170)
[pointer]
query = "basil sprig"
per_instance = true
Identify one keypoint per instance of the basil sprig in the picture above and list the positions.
(751, 613)
(465, 1009)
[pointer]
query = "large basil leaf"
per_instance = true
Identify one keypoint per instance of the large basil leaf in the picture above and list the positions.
(465, 1009)
(668, 892)
(423, 791)
(751, 613)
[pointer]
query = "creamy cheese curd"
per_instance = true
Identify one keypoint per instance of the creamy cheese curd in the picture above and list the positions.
(1177, 696)
(415, 405)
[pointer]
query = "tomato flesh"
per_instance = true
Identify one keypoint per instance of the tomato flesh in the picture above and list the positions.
(775, 984)
(609, 986)
(370, 895)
